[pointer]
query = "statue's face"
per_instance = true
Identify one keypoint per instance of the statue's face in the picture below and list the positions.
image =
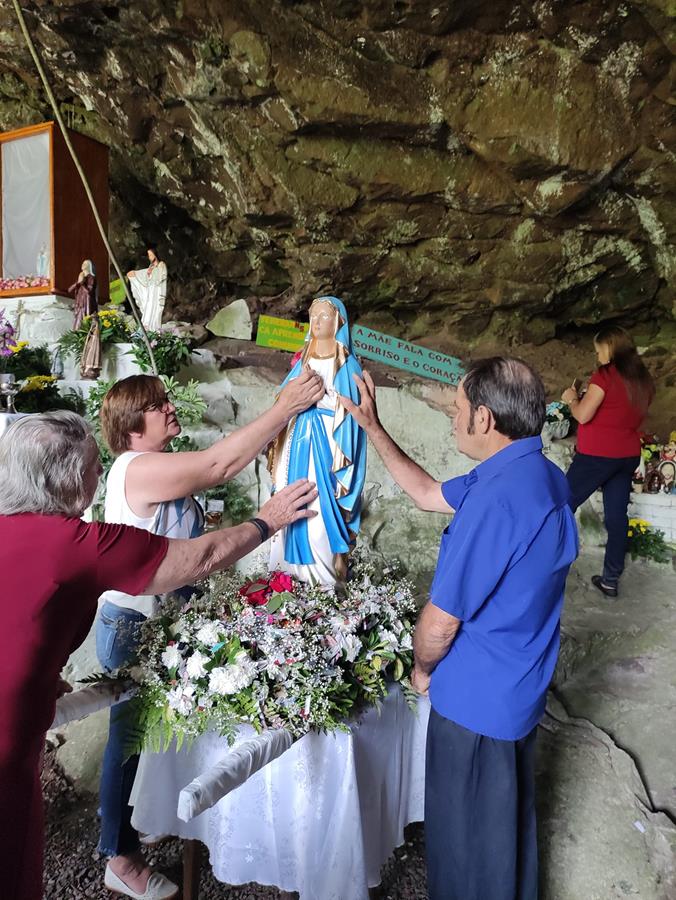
(151, 256)
(323, 320)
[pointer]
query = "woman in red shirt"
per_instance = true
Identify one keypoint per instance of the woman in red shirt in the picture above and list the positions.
(54, 567)
(608, 440)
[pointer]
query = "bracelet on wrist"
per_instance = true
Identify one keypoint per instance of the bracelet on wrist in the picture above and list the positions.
(262, 527)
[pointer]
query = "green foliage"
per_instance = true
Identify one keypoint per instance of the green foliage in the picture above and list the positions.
(47, 397)
(647, 542)
(171, 351)
(237, 505)
(190, 407)
(114, 329)
(27, 361)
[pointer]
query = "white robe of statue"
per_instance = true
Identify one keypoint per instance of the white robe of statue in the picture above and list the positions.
(149, 287)
(323, 571)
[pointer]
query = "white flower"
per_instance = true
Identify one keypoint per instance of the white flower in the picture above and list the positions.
(226, 680)
(406, 642)
(350, 643)
(389, 640)
(209, 633)
(195, 665)
(181, 699)
(171, 658)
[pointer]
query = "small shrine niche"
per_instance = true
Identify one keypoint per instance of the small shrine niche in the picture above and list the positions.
(47, 226)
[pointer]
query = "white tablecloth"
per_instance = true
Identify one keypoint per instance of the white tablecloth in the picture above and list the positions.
(321, 820)
(6, 420)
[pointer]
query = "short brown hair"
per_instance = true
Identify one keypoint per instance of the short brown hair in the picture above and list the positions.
(123, 407)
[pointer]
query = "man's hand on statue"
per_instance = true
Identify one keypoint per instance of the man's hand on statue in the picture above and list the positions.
(420, 682)
(569, 395)
(302, 392)
(289, 505)
(366, 414)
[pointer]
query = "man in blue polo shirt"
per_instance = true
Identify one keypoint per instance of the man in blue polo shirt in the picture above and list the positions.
(487, 641)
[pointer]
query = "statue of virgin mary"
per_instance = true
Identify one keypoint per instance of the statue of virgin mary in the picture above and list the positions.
(326, 445)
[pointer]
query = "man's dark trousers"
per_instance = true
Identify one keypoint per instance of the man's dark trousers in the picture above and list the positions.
(479, 815)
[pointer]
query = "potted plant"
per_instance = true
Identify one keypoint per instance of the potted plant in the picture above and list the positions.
(637, 482)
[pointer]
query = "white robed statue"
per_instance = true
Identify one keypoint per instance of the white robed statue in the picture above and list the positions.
(149, 287)
(325, 445)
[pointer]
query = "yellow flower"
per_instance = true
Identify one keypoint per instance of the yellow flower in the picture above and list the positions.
(18, 346)
(630, 533)
(38, 382)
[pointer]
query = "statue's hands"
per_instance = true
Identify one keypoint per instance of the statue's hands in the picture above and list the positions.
(366, 414)
(131, 274)
(302, 392)
(289, 505)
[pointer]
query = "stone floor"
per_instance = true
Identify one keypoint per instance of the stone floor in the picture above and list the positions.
(606, 774)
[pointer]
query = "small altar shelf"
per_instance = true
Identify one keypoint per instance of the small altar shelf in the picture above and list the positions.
(47, 226)
(657, 509)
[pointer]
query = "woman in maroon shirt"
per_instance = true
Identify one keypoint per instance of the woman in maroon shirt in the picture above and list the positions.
(54, 567)
(608, 442)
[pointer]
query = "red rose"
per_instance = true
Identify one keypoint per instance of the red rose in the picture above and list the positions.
(280, 581)
(258, 598)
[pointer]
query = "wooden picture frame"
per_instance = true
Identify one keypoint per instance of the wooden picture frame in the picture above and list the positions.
(74, 233)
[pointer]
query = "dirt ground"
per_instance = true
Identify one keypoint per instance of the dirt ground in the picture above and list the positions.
(74, 868)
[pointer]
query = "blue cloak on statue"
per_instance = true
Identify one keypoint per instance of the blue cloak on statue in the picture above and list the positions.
(339, 474)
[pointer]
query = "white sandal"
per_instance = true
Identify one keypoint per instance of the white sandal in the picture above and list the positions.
(158, 888)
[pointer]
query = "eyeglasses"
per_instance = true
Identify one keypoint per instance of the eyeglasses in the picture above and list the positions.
(158, 405)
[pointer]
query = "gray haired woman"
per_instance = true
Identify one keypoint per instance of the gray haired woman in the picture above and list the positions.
(54, 567)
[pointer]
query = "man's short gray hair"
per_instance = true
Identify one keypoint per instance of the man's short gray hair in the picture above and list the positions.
(512, 390)
(43, 461)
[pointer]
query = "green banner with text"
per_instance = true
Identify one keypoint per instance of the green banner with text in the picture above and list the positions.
(284, 334)
(405, 355)
(281, 334)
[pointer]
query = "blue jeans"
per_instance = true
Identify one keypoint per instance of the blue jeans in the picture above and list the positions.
(116, 643)
(587, 474)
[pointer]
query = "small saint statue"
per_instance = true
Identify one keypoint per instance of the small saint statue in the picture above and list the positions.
(326, 445)
(42, 262)
(149, 287)
(86, 294)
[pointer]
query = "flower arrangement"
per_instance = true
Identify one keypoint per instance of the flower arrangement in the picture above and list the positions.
(646, 541)
(271, 653)
(38, 383)
(114, 329)
(170, 349)
(23, 281)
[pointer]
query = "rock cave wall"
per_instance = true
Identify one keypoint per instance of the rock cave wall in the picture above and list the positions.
(474, 171)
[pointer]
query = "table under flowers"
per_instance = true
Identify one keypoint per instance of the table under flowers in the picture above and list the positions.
(321, 819)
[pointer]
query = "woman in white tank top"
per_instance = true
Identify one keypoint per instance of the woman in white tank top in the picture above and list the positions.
(153, 490)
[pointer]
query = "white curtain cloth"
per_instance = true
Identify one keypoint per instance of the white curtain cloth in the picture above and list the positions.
(149, 287)
(322, 819)
(26, 214)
